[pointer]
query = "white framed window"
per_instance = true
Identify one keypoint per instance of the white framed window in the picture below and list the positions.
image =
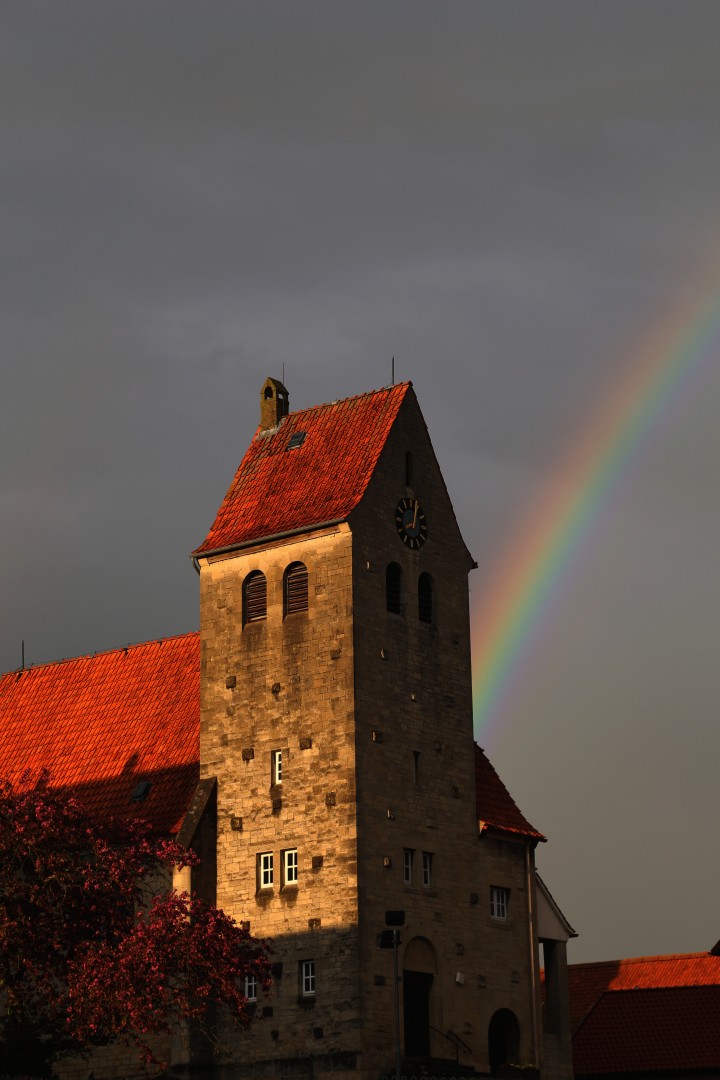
(251, 987)
(290, 866)
(499, 898)
(276, 767)
(265, 870)
(408, 857)
(307, 978)
(427, 868)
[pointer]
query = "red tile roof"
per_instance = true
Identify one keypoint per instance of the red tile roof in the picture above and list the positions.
(587, 982)
(655, 1030)
(277, 490)
(100, 724)
(496, 807)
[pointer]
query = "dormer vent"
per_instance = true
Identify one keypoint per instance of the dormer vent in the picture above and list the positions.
(141, 791)
(274, 404)
(296, 440)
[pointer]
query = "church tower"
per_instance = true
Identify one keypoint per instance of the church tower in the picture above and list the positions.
(336, 722)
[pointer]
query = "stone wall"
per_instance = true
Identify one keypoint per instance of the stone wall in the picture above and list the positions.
(415, 781)
(286, 683)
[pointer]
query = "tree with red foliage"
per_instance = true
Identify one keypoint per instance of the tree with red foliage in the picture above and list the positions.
(89, 953)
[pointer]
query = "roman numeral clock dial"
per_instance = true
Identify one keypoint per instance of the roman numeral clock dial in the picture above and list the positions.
(410, 523)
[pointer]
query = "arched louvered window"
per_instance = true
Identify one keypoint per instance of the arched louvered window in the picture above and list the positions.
(296, 588)
(393, 588)
(425, 598)
(254, 597)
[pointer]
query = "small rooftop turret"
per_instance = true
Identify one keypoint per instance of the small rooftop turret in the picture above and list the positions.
(274, 404)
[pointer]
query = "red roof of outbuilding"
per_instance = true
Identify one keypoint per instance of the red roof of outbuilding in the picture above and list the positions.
(277, 490)
(650, 1031)
(100, 724)
(587, 982)
(495, 805)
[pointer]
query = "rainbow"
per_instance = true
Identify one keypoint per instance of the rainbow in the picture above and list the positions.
(539, 560)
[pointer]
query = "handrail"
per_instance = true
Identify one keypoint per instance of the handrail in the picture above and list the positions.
(456, 1041)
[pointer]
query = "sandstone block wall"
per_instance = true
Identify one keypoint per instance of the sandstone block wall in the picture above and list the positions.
(286, 683)
(415, 776)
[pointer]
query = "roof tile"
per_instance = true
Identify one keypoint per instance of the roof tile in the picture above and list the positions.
(495, 805)
(587, 982)
(100, 724)
(658, 1029)
(277, 490)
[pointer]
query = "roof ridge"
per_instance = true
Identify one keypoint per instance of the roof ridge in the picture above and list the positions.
(101, 652)
(660, 958)
(352, 397)
(274, 494)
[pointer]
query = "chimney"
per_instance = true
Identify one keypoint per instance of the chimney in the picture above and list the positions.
(273, 404)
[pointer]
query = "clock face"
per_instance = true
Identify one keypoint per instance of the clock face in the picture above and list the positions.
(410, 523)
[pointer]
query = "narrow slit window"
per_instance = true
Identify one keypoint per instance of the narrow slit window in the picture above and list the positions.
(254, 597)
(393, 588)
(408, 856)
(427, 860)
(251, 987)
(425, 598)
(276, 767)
(296, 588)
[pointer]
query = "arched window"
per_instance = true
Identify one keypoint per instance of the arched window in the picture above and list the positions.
(393, 588)
(425, 598)
(295, 588)
(254, 597)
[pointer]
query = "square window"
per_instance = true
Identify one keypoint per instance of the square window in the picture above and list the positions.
(307, 978)
(290, 866)
(499, 902)
(296, 440)
(265, 870)
(276, 767)
(251, 988)
(408, 856)
(427, 868)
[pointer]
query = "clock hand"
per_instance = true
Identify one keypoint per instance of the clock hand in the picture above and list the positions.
(415, 515)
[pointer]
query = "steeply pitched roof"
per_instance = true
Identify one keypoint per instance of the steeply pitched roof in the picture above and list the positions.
(496, 807)
(587, 982)
(100, 724)
(650, 1031)
(278, 490)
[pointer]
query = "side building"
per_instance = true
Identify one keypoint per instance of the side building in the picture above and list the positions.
(337, 786)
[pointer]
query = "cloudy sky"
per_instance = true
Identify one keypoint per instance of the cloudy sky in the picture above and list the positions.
(510, 198)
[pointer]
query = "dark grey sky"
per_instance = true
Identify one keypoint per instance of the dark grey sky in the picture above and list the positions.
(503, 195)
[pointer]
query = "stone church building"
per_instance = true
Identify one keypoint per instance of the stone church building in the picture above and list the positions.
(314, 744)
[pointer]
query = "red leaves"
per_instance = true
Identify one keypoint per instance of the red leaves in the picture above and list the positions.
(89, 954)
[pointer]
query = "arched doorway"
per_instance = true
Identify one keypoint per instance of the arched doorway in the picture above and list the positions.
(419, 971)
(503, 1039)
